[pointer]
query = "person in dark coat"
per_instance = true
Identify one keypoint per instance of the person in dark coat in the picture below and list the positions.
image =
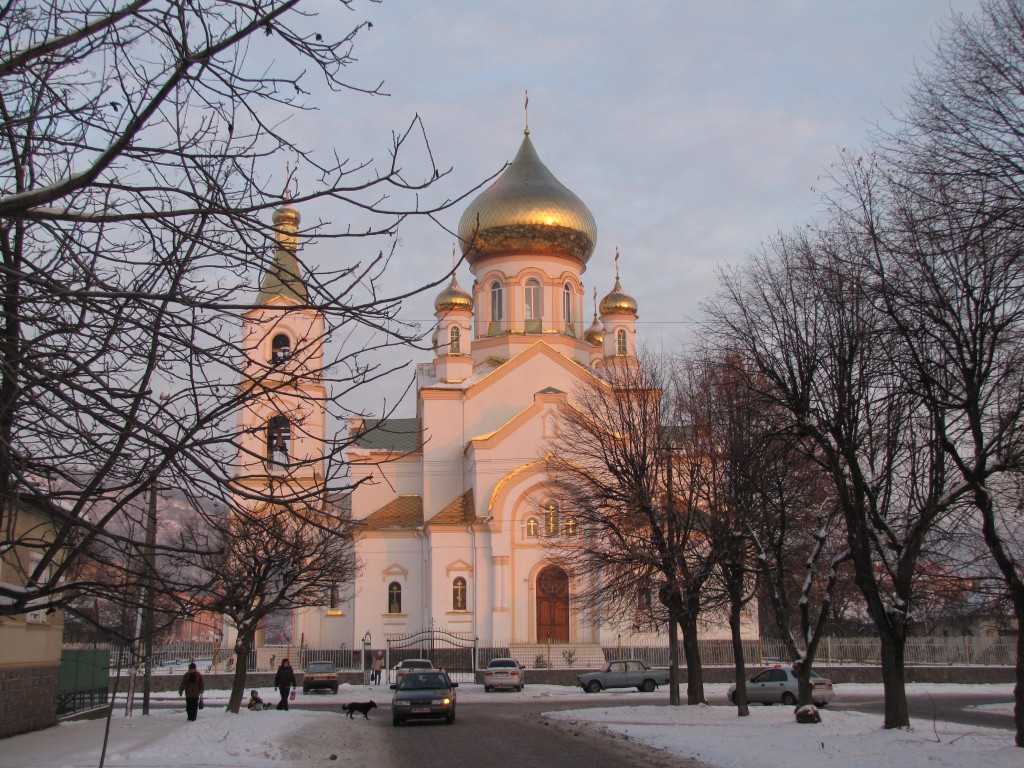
(284, 681)
(192, 687)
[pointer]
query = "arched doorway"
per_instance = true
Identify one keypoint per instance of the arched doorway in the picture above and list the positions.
(552, 605)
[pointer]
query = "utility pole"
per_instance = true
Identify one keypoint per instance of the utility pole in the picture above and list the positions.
(147, 604)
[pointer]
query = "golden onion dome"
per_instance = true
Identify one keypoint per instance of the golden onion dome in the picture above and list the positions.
(287, 216)
(594, 335)
(618, 302)
(527, 210)
(453, 298)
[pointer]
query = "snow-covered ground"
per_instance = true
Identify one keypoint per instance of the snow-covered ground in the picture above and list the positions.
(712, 734)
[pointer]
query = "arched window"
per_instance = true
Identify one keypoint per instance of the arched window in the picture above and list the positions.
(497, 310)
(454, 340)
(551, 518)
(532, 528)
(279, 433)
(534, 305)
(280, 349)
(567, 308)
(620, 342)
(459, 594)
(394, 597)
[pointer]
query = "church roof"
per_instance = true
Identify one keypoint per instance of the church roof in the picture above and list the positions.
(459, 512)
(398, 435)
(402, 513)
(527, 210)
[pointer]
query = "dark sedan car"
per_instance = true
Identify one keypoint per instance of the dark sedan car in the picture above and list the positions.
(424, 695)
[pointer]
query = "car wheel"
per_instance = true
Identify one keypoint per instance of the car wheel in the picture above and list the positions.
(396, 722)
(593, 687)
(732, 698)
(450, 720)
(487, 689)
(335, 690)
(305, 690)
(648, 685)
(788, 699)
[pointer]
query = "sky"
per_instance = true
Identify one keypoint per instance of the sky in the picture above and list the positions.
(692, 130)
(712, 734)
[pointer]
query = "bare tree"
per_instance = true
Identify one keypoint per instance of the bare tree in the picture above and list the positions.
(617, 467)
(255, 562)
(944, 211)
(802, 314)
(143, 146)
(720, 436)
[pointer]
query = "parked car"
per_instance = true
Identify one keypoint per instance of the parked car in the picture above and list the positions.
(780, 685)
(320, 674)
(408, 664)
(504, 673)
(423, 695)
(624, 673)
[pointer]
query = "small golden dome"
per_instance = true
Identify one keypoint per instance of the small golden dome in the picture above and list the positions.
(527, 210)
(618, 302)
(287, 216)
(453, 298)
(594, 335)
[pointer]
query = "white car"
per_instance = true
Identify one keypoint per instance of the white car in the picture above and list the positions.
(780, 685)
(504, 673)
(409, 665)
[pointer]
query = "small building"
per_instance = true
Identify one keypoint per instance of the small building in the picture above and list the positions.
(30, 642)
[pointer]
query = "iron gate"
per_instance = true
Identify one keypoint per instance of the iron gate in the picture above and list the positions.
(455, 654)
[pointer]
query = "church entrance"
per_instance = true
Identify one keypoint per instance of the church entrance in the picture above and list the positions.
(552, 605)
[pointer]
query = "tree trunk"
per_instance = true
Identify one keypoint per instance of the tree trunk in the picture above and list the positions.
(691, 650)
(742, 708)
(894, 680)
(243, 645)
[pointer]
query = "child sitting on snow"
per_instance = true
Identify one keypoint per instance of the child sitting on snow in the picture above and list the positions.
(255, 702)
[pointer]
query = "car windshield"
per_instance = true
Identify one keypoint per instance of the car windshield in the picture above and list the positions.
(502, 663)
(423, 682)
(322, 666)
(415, 665)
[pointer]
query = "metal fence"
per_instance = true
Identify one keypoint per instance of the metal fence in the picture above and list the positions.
(174, 659)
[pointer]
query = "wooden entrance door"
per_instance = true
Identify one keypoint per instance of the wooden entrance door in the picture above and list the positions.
(552, 605)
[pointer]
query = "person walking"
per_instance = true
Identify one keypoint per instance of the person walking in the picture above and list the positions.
(192, 686)
(377, 668)
(284, 681)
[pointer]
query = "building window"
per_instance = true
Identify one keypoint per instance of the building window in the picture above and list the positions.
(620, 342)
(36, 617)
(279, 432)
(551, 518)
(532, 528)
(643, 599)
(567, 308)
(280, 349)
(454, 340)
(459, 594)
(394, 597)
(497, 311)
(335, 597)
(534, 305)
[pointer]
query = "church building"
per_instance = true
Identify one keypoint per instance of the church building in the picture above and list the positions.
(454, 509)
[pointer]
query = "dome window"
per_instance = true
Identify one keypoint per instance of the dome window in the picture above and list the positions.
(454, 340)
(497, 314)
(621, 347)
(280, 349)
(567, 308)
(534, 305)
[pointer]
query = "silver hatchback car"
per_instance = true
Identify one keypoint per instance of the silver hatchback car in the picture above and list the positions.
(780, 685)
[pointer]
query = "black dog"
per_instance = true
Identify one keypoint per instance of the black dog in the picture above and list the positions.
(360, 706)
